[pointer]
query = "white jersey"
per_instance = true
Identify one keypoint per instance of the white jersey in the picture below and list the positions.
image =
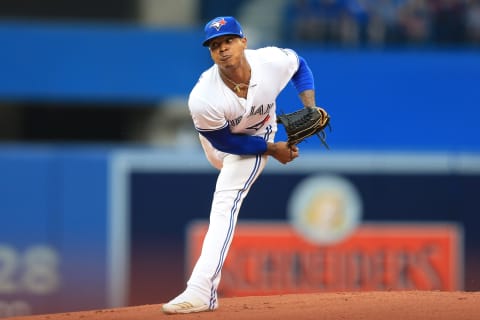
(214, 106)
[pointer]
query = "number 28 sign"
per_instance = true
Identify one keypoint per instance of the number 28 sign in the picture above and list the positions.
(30, 272)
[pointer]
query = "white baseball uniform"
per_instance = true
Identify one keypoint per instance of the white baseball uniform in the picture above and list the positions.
(214, 106)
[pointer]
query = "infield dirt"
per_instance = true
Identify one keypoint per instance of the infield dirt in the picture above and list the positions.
(392, 305)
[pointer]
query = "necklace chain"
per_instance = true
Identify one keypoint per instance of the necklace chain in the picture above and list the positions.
(236, 86)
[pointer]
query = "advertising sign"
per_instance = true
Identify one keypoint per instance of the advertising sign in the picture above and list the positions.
(273, 258)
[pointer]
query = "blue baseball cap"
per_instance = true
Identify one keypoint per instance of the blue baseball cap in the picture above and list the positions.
(222, 26)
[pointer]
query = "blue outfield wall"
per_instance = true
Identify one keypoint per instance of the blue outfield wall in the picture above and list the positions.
(96, 62)
(88, 228)
(53, 229)
(397, 99)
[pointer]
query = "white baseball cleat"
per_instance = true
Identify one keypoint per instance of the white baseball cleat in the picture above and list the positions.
(194, 305)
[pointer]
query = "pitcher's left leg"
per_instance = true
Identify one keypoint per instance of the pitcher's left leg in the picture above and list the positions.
(233, 184)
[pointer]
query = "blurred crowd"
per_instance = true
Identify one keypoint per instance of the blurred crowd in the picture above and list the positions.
(377, 22)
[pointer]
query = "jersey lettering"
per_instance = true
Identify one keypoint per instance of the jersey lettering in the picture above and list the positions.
(235, 122)
(260, 110)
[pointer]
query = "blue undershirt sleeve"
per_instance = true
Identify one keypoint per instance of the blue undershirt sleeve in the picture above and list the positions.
(303, 78)
(239, 144)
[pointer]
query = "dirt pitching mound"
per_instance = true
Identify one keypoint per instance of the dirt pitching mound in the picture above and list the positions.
(403, 305)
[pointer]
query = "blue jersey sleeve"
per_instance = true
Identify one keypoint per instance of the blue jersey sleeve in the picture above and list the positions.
(303, 78)
(239, 144)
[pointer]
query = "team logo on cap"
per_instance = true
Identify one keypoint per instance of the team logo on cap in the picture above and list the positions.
(218, 24)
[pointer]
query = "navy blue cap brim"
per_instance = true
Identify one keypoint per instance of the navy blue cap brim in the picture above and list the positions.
(207, 41)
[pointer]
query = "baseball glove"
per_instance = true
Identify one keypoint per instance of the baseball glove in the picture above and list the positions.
(304, 123)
